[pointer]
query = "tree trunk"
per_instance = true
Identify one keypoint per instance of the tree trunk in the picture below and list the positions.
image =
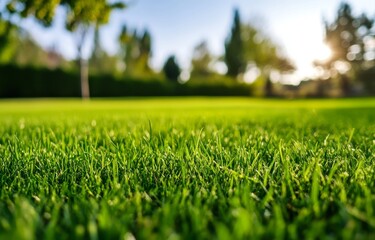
(84, 75)
(83, 63)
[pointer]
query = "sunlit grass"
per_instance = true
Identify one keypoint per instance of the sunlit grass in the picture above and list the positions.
(187, 167)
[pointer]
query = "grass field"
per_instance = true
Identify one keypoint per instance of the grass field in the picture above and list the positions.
(190, 168)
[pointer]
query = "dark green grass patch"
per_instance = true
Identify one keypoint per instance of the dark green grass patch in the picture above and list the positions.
(191, 168)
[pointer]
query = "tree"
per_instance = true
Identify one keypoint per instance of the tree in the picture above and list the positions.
(249, 47)
(29, 53)
(347, 36)
(261, 53)
(136, 51)
(18, 47)
(201, 61)
(43, 11)
(145, 51)
(171, 69)
(129, 49)
(234, 56)
(260, 50)
(8, 39)
(101, 61)
(81, 17)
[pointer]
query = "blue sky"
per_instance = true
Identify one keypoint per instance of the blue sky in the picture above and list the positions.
(179, 25)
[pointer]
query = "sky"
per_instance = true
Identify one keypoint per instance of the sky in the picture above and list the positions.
(177, 26)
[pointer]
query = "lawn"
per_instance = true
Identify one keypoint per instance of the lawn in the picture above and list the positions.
(187, 168)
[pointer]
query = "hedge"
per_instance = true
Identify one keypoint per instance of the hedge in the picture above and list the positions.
(29, 82)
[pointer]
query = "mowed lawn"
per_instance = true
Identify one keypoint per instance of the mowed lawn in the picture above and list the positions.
(187, 168)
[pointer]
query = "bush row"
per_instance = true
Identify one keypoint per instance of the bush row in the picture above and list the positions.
(29, 82)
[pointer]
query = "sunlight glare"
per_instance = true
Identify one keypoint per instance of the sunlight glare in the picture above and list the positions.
(323, 52)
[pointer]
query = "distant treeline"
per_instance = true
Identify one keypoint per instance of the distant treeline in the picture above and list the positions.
(30, 82)
(250, 55)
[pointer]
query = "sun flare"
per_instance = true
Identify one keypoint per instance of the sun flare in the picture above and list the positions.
(323, 52)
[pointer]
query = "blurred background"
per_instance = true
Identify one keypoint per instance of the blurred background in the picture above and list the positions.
(105, 48)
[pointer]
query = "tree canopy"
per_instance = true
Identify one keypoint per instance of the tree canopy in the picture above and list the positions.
(263, 52)
(349, 37)
(8, 39)
(346, 36)
(81, 15)
(136, 51)
(78, 11)
(234, 49)
(171, 69)
(201, 60)
(248, 46)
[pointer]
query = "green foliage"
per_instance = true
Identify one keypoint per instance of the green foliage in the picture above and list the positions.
(8, 40)
(367, 77)
(89, 12)
(234, 49)
(29, 53)
(248, 47)
(100, 61)
(85, 12)
(263, 52)
(345, 36)
(201, 61)
(18, 47)
(136, 52)
(348, 37)
(198, 168)
(81, 15)
(22, 82)
(42, 10)
(26, 81)
(211, 79)
(171, 69)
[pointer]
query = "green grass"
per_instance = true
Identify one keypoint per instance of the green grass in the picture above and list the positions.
(191, 168)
